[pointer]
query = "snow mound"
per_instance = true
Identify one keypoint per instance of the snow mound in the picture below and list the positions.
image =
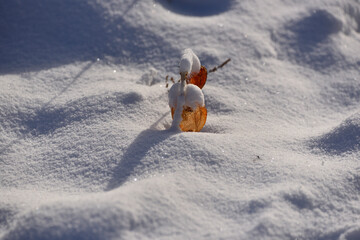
(344, 138)
(85, 150)
(307, 40)
(352, 10)
(84, 218)
(150, 78)
(351, 234)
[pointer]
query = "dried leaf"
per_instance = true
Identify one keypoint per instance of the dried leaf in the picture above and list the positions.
(199, 79)
(192, 121)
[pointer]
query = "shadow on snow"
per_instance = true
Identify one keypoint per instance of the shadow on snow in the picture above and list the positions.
(307, 41)
(39, 34)
(136, 152)
(343, 139)
(197, 7)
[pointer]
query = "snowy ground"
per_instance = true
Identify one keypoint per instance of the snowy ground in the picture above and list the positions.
(84, 150)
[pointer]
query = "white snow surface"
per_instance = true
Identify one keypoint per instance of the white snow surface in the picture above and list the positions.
(84, 148)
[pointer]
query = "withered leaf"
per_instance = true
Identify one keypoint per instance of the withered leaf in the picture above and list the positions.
(199, 79)
(192, 120)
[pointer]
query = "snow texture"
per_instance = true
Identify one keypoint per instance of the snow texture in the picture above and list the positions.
(194, 97)
(189, 62)
(173, 94)
(85, 150)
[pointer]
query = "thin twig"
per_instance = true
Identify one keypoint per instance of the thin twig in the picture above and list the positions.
(220, 66)
(210, 71)
(167, 79)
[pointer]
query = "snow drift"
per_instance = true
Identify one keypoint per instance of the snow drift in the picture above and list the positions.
(85, 151)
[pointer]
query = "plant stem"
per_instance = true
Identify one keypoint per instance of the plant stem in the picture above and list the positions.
(180, 104)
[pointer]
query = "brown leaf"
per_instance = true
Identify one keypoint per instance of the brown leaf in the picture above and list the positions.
(199, 79)
(192, 121)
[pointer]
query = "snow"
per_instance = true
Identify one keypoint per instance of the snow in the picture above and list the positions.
(189, 62)
(186, 62)
(173, 94)
(85, 150)
(179, 104)
(194, 97)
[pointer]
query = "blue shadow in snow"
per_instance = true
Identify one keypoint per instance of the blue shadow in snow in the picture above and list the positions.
(307, 41)
(41, 34)
(136, 152)
(315, 29)
(343, 139)
(200, 8)
(48, 119)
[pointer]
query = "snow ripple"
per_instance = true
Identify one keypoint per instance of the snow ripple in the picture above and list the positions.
(50, 118)
(344, 138)
(307, 41)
